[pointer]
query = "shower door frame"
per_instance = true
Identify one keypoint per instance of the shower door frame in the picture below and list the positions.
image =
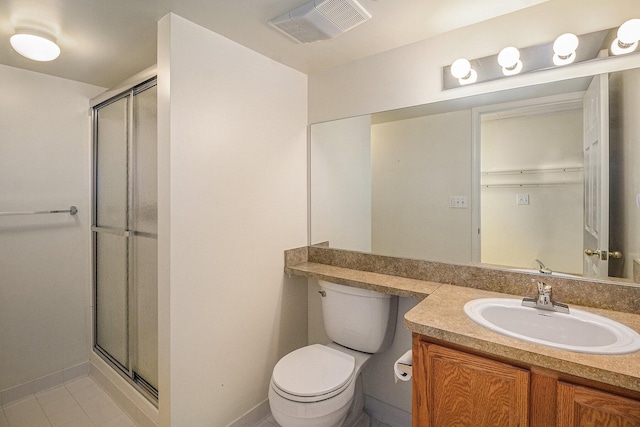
(127, 373)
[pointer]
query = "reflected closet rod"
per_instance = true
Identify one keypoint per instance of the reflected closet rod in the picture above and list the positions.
(72, 210)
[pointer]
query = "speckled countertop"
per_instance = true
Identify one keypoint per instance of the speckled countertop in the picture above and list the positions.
(384, 283)
(442, 316)
(440, 313)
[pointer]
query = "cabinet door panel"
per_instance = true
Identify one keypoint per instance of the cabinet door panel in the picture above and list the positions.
(465, 390)
(584, 407)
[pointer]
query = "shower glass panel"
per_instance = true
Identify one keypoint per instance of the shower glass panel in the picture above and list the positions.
(111, 275)
(125, 235)
(145, 238)
(112, 332)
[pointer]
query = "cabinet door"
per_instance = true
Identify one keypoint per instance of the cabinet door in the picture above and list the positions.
(467, 391)
(585, 407)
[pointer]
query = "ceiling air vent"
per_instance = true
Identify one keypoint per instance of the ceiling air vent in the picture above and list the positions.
(321, 20)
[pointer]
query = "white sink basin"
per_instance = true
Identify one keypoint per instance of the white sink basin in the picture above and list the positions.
(578, 331)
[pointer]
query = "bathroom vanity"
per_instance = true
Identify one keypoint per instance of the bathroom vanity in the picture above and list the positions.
(458, 387)
(465, 374)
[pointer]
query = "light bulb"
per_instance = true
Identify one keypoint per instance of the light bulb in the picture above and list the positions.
(629, 32)
(565, 49)
(509, 60)
(460, 68)
(472, 77)
(35, 44)
(628, 36)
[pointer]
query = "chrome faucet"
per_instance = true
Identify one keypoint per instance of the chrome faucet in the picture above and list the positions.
(544, 301)
(543, 268)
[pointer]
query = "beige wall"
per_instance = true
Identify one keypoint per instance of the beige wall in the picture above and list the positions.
(45, 164)
(417, 165)
(625, 169)
(549, 227)
(412, 75)
(341, 181)
(232, 184)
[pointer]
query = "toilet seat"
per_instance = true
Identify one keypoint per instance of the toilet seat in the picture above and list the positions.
(313, 373)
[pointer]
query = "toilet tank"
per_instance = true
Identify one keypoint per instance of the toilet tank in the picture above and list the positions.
(357, 318)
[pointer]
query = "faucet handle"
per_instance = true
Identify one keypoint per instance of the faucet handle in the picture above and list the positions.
(544, 289)
(543, 268)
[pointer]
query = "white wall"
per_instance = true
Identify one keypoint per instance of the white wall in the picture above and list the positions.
(412, 75)
(341, 180)
(625, 169)
(232, 184)
(45, 163)
(378, 374)
(417, 165)
(549, 227)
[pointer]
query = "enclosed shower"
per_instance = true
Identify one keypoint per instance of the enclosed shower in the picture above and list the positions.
(124, 235)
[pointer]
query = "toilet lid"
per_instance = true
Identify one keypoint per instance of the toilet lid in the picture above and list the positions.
(313, 370)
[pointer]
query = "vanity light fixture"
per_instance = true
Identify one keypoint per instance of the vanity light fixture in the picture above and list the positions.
(509, 60)
(628, 37)
(461, 69)
(35, 44)
(564, 49)
(528, 59)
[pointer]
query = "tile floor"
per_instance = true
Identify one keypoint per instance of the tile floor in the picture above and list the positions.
(79, 403)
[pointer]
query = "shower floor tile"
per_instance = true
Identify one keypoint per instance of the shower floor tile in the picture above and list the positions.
(79, 403)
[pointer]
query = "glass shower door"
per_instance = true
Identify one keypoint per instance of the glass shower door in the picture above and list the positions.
(125, 235)
(145, 237)
(111, 225)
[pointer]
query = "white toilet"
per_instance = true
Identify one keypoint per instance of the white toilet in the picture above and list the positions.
(321, 385)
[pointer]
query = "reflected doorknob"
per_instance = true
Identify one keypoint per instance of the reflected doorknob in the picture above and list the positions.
(602, 254)
(615, 254)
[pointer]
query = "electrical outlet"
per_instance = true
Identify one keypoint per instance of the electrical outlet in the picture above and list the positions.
(522, 199)
(458, 202)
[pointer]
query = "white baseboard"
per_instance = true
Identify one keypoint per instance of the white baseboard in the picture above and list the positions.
(386, 413)
(253, 416)
(21, 391)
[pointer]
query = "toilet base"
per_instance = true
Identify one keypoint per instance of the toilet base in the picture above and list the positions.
(353, 414)
(356, 417)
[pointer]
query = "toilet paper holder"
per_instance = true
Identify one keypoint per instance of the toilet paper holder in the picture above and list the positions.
(403, 367)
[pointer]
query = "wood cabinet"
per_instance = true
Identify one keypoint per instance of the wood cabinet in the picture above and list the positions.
(466, 390)
(453, 387)
(581, 406)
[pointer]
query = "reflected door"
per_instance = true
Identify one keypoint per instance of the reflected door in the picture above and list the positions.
(596, 177)
(125, 234)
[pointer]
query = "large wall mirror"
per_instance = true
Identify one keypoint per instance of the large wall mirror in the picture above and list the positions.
(548, 172)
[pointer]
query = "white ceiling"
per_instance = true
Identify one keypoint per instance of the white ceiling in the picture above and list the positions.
(105, 41)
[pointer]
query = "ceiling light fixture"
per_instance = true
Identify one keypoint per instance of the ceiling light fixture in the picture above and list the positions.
(35, 44)
(461, 69)
(509, 60)
(628, 37)
(564, 49)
